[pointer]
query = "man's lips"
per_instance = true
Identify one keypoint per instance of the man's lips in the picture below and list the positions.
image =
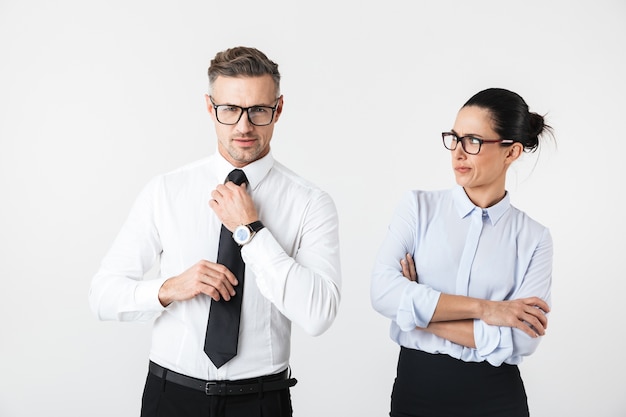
(462, 169)
(244, 141)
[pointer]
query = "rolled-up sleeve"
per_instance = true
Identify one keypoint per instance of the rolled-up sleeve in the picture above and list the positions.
(407, 303)
(508, 257)
(506, 344)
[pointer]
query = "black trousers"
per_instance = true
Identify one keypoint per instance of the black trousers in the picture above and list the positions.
(163, 398)
(430, 385)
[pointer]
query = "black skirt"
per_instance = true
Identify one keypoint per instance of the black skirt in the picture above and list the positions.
(431, 385)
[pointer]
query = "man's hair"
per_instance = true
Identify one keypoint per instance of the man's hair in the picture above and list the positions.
(243, 61)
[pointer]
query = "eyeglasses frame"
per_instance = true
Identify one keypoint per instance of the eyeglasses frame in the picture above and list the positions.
(480, 141)
(245, 110)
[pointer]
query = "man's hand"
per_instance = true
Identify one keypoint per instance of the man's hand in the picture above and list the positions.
(233, 205)
(214, 280)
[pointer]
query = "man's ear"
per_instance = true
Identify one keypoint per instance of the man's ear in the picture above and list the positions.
(279, 108)
(209, 105)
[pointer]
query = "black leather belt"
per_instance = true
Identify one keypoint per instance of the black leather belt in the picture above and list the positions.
(238, 387)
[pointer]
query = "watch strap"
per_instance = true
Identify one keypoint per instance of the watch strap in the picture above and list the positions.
(256, 226)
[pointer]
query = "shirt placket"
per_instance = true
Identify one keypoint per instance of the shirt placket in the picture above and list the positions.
(469, 251)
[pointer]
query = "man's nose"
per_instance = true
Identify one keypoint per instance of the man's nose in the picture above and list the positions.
(244, 124)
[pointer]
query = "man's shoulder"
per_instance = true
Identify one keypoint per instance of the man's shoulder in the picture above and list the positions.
(294, 181)
(191, 168)
(183, 177)
(297, 193)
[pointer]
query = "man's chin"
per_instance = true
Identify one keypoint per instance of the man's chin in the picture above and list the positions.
(244, 157)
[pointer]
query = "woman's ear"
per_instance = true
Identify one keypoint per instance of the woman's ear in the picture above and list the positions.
(515, 151)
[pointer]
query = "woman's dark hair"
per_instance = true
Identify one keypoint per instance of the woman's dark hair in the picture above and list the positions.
(511, 117)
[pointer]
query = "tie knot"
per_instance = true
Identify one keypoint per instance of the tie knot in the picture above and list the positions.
(237, 176)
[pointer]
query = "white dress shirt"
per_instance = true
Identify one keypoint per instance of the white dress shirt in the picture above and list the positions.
(498, 253)
(292, 266)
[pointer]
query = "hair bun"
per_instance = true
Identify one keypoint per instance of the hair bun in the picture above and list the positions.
(536, 124)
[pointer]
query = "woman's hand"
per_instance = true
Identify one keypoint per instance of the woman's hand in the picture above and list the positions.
(408, 267)
(526, 314)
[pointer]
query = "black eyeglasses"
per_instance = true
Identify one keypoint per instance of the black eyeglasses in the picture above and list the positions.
(470, 144)
(229, 114)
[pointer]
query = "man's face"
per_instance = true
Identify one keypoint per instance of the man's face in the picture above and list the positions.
(244, 142)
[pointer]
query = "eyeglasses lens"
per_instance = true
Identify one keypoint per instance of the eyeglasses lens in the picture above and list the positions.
(259, 116)
(469, 144)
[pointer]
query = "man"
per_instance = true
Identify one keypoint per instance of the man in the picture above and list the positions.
(287, 234)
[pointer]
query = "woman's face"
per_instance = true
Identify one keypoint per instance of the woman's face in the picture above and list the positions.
(483, 175)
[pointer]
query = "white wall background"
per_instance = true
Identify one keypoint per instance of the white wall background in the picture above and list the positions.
(96, 97)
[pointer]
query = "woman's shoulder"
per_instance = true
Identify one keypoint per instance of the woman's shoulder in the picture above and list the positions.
(420, 200)
(528, 224)
(428, 196)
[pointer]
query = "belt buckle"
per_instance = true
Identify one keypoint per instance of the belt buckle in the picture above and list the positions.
(215, 388)
(207, 387)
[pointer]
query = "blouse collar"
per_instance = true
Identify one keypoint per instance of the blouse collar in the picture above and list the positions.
(465, 206)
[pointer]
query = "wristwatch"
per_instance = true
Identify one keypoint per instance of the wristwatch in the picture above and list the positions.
(244, 233)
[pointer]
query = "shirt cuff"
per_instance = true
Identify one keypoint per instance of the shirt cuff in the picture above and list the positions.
(417, 307)
(268, 261)
(492, 342)
(147, 295)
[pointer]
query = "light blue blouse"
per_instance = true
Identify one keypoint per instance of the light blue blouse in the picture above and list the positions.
(498, 253)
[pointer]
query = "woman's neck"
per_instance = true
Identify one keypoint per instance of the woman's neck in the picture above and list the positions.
(485, 198)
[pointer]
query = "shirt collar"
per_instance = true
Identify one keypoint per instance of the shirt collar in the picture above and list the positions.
(255, 171)
(465, 206)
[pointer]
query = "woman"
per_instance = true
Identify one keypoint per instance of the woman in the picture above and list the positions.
(464, 276)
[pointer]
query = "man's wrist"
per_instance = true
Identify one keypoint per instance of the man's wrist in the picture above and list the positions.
(243, 234)
(164, 298)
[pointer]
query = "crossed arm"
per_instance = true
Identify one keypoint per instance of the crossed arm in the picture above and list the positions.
(454, 314)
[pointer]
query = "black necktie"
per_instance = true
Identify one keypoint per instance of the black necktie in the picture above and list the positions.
(222, 331)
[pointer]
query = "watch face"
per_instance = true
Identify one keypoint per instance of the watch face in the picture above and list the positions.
(241, 234)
